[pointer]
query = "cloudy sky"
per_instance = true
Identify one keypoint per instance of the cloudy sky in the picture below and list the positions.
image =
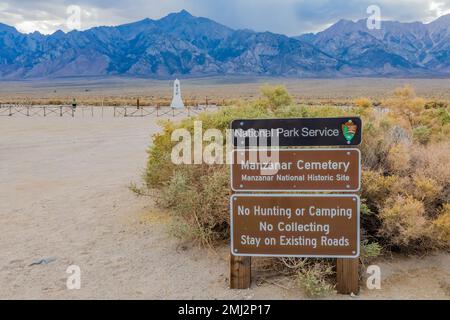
(291, 17)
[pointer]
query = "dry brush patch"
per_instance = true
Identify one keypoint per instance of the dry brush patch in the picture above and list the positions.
(405, 189)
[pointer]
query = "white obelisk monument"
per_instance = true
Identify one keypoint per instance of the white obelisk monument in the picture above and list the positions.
(177, 102)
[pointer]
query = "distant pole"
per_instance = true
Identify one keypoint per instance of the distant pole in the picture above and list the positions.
(74, 105)
(137, 103)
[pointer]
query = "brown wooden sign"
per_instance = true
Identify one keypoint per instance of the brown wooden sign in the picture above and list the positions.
(295, 225)
(296, 170)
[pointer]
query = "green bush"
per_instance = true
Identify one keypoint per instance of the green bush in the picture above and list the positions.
(422, 134)
(313, 279)
(276, 96)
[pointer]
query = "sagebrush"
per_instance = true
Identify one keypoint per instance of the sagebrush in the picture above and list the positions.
(405, 184)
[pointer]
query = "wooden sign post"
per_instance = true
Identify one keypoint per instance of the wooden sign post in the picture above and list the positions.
(347, 276)
(240, 272)
(296, 225)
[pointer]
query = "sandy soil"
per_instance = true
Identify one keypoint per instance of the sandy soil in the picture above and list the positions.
(64, 194)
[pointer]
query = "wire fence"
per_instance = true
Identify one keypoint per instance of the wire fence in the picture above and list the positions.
(9, 110)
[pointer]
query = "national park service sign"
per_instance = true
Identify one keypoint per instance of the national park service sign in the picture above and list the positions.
(345, 131)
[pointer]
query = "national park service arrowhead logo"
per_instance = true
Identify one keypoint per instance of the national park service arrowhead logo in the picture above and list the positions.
(349, 130)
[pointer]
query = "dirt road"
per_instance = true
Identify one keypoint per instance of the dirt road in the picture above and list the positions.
(64, 195)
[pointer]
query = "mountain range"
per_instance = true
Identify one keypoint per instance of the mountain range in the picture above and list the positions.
(182, 44)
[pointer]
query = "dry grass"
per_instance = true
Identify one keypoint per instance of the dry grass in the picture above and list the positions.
(125, 91)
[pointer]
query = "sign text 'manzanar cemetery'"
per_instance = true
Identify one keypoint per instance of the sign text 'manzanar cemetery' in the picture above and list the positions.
(296, 170)
(297, 132)
(295, 225)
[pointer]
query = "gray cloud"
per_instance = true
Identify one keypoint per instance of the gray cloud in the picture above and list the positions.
(290, 17)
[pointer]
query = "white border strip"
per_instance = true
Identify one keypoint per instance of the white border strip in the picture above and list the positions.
(358, 231)
(297, 150)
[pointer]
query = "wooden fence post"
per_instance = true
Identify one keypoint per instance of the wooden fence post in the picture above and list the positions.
(240, 272)
(347, 276)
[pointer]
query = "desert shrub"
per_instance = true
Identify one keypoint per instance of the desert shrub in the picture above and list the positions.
(432, 161)
(403, 222)
(370, 250)
(197, 200)
(406, 103)
(363, 103)
(276, 96)
(398, 158)
(441, 227)
(405, 92)
(432, 125)
(422, 134)
(426, 189)
(313, 279)
(365, 210)
(405, 179)
(159, 166)
(436, 104)
(377, 187)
